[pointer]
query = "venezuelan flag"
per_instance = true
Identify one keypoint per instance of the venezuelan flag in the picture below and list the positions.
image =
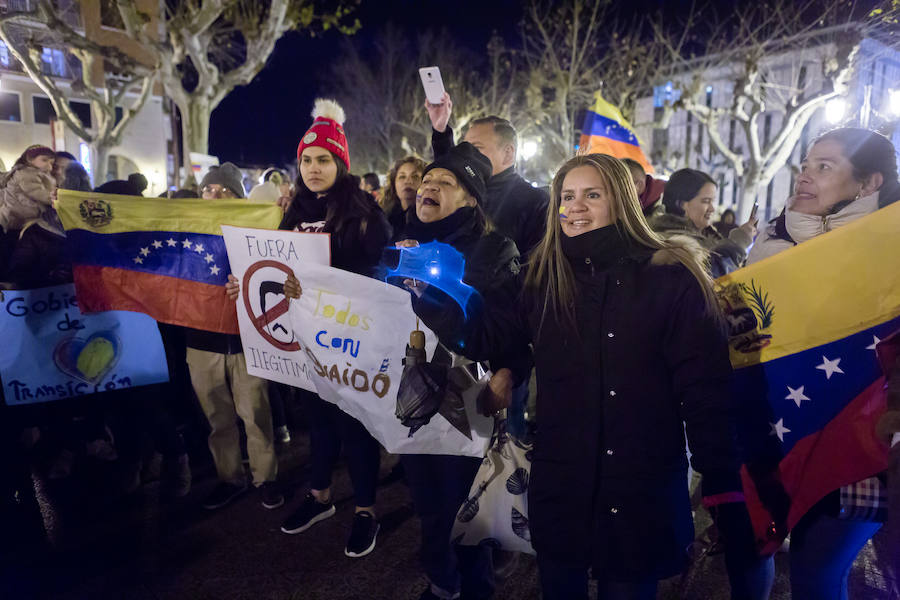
(606, 131)
(804, 328)
(159, 256)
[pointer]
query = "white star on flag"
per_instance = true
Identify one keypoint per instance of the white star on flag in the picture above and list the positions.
(796, 395)
(209, 258)
(170, 242)
(779, 429)
(875, 342)
(138, 260)
(186, 244)
(198, 248)
(830, 367)
(145, 251)
(157, 244)
(214, 270)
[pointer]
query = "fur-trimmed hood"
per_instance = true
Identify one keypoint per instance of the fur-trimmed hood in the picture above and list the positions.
(666, 256)
(724, 254)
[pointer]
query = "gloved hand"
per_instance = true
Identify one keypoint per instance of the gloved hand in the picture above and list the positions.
(751, 576)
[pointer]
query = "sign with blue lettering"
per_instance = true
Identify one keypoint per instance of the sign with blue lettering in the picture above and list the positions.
(51, 351)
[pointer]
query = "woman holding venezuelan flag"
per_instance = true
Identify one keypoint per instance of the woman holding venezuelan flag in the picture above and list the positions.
(847, 174)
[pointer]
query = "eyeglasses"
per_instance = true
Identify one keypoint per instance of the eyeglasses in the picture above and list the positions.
(217, 191)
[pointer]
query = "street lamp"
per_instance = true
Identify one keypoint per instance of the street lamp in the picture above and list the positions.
(529, 149)
(894, 102)
(835, 109)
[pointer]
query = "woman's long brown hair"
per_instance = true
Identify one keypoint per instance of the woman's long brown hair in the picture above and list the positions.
(550, 272)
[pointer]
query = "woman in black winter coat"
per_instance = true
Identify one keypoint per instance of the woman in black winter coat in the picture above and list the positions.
(328, 199)
(448, 210)
(628, 347)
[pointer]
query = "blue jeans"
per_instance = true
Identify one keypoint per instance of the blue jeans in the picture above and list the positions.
(560, 581)
(823, 549)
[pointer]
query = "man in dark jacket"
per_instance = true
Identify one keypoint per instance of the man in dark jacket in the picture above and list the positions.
(226, 391)
(517, 209)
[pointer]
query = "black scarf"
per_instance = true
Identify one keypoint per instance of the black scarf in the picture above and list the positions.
(604, 246)
(463, 223)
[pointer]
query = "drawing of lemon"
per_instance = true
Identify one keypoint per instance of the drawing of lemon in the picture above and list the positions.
(95, 357)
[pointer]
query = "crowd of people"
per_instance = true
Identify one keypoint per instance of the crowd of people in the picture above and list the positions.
(599, 291)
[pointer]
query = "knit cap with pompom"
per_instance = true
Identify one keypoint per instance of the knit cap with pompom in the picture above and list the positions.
(327, 130)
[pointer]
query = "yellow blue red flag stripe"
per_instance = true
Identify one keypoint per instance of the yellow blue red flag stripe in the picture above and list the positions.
(606, 131)
(804, 326)
(163, 257)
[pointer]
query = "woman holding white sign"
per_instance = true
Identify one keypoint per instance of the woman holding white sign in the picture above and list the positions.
(448, 210)
(328, 199)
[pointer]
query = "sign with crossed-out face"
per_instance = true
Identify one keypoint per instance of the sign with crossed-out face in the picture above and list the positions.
(259, 258)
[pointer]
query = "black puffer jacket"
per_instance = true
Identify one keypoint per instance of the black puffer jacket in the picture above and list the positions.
(608, 483)
(491, 267)
(517, 210)
(357, 244)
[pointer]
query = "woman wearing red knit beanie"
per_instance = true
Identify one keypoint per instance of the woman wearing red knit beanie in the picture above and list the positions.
(328, 199)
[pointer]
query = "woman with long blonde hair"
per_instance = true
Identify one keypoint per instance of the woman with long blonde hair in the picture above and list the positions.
(628, 348)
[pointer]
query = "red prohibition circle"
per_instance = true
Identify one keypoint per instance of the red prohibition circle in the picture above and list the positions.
(260, 322)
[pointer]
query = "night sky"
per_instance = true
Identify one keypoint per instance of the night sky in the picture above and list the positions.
(261, 124)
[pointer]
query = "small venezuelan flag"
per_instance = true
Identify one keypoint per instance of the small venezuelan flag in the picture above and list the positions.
(606, 131)
(158, 256)
(806, 327)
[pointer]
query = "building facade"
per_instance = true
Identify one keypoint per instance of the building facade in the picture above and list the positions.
(27, 116)
(871, 102)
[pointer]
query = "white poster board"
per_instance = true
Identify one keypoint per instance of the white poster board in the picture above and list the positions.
(259, 259)
(352, 333)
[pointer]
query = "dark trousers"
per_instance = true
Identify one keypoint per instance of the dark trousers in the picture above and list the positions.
(329, 429)
(561, 581)
(277, 393)
(439, 485)
(142, 416)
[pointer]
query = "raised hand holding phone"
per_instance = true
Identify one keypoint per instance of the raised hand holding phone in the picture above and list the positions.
(438, 111)
(750, 225)
(433, 84)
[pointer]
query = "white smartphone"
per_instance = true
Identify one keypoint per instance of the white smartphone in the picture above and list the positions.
(431, 81)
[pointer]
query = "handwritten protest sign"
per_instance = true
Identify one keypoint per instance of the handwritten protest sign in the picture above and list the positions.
(352, 332)
(259, 260)
(52, 352)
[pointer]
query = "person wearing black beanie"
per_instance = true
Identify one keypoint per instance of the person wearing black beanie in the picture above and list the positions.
(471, 168)
(448, 210)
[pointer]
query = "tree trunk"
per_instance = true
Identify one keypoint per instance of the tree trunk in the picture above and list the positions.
(197, 119)
(99, 174)
(195, 116)
(750, 186)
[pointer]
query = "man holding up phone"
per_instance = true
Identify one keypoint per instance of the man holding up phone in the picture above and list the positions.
(518, 210)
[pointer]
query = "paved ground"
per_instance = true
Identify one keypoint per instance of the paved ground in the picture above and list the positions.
(101, 546)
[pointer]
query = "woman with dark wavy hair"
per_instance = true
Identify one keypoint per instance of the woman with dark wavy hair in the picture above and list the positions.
(400, 192)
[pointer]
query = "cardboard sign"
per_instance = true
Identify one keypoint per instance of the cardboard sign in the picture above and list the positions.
(52, 352)
(259, 258)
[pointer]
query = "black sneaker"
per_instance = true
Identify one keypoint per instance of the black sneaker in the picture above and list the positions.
(270, 496)
(222, 494)
(310, 512)
(362, 535)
